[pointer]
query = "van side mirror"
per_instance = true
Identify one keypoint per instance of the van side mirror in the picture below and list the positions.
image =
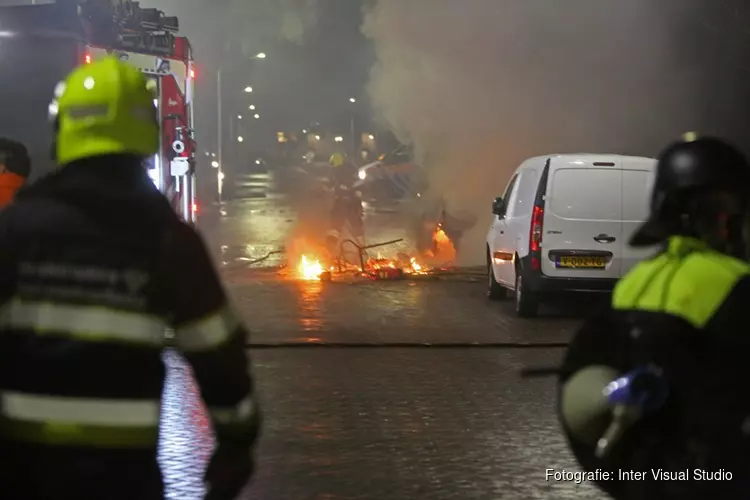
(498, 206)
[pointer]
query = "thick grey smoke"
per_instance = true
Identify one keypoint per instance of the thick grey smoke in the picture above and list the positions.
(298, 18)
(255, 22)
(479, 85)
(242, 25)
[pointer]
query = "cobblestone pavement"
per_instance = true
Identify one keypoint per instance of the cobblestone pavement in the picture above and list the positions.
(390, 423)
(376, 423)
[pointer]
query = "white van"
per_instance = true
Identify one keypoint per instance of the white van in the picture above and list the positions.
(563, 225)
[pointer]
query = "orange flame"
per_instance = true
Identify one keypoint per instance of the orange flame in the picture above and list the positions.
(310, 269)
(444, 251)
(415, 266)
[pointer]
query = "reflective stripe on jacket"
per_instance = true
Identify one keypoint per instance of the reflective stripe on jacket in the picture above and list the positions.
(79, 421)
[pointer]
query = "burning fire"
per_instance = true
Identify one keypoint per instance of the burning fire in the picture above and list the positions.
(440, 238)
(442, 254)
(415, 265)
(310, 269)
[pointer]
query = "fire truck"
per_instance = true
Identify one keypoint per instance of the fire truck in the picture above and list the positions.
(41, 44)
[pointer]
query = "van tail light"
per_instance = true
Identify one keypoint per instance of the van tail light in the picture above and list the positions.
(535, 234)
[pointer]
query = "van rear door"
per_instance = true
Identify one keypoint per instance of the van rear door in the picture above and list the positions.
(582, 232)
(637, 183)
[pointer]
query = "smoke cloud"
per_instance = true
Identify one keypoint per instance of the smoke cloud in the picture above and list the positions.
(254, 23)
(478, 85)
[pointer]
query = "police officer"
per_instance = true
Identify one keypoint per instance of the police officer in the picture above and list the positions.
(657, 383)
(96, 266)
(15, 167)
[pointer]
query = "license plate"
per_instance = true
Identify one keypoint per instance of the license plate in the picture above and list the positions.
(582, 262)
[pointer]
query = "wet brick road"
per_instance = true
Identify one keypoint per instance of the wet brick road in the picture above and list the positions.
(376, 423)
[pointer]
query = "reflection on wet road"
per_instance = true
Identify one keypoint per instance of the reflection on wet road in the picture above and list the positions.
(392, 423)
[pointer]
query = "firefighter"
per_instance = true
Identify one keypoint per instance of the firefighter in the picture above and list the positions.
(657, 383)
(15, 167)
(345, 174)
(98, 271)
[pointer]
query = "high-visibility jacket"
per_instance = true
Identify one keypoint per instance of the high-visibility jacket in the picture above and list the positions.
(95, 268)
(686, 311)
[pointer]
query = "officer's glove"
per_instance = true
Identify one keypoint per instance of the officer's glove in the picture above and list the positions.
(228, 473)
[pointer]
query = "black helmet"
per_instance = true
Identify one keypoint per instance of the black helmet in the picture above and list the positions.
(15, 157)
(706, 163)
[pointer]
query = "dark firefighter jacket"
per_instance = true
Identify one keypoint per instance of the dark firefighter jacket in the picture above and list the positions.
(95, 267)
(686, 310)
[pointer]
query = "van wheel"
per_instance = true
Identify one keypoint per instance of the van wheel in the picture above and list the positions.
(527, 302)
(495, 291)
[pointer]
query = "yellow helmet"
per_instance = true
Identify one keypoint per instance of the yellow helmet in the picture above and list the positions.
(337, 159)
(106, 107)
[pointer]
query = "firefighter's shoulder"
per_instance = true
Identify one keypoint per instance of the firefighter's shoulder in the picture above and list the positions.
(184, 245)
(189, 268)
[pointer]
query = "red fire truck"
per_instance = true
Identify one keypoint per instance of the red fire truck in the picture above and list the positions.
(41, 44)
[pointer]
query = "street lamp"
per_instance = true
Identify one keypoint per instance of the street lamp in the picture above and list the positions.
(239, 117)
(248, 89)
(220, 119)
(215, 164)
(240, 139)
(371, 137)
(251, 107)
(351, 130)
(317, 137)
(256, 116)
(338, 139)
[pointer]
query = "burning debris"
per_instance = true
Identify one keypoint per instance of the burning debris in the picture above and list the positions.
(440, 257)
(310, 269)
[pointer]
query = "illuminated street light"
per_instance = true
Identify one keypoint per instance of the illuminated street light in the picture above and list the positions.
(371, 137)
(239, 117)
(304, 130)
(213, 155)
(338, 139)
(352, 100)
(251, 107)
(317, 137)
(260, 55)
(248, 89)
(257, 162)
(240, 139)
(215, 164)
(256, 116)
